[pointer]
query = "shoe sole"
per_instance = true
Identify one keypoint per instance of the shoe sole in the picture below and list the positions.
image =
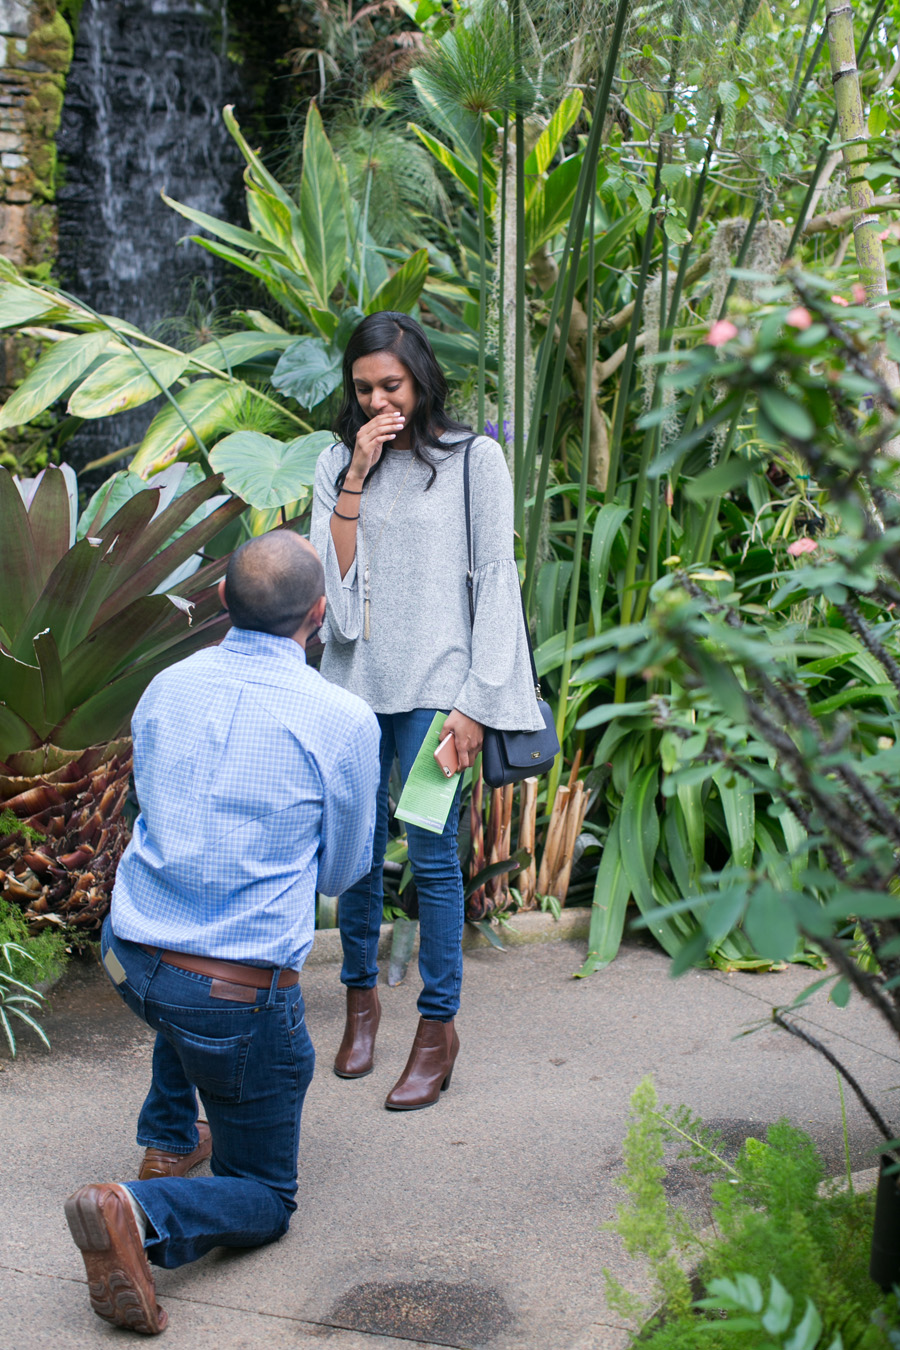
(365, 1073)
(114, 1295)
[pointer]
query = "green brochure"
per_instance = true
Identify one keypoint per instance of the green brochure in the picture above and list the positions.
(428, 794)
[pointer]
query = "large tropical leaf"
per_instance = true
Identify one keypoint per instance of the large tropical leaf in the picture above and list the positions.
(265, 472)
(322, 220)
(66, 604)
(21, 693)
(20, 304)
(466, 175)
(401, 291)
(18, 559)
(154, 564)
(106, 713)
(56, 371)
(50, 519)
(230, 234)
(551, 137)
(259, 173)
(309, 371)
(550, 207)
(234, 349)
(125, 382)
(207, 404)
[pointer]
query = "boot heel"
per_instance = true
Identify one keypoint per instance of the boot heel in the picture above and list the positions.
(86, 1223)
(446, 1082)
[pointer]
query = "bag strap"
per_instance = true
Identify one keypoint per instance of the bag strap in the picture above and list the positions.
(470, 574)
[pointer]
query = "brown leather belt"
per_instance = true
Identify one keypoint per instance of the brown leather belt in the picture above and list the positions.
(251, 977)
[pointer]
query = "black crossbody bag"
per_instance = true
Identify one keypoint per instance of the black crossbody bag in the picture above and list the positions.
(509, 756)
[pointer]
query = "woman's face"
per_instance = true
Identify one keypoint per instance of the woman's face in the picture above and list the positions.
(384, 384)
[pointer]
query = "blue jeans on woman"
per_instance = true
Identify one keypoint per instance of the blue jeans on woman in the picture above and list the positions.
(252, 1064)
(436, 871)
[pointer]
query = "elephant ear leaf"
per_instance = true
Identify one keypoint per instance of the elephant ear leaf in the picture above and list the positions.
(308, 371)
(266, 472)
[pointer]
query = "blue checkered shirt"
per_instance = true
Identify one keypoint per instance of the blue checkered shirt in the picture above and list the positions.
(257, 782)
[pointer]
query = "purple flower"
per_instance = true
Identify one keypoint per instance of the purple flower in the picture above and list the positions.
(492, 429)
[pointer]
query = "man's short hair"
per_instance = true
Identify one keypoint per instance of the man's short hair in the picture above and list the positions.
(272, 583)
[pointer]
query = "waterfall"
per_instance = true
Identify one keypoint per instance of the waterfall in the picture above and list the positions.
(143, 115)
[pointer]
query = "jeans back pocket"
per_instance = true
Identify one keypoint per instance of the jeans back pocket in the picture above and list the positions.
(214, 1064)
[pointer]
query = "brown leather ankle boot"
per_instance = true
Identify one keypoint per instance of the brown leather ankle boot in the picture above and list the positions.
(356, 1057)
(429, 1067)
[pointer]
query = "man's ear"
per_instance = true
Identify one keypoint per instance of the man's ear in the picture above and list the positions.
(317, 613)
(221, 589)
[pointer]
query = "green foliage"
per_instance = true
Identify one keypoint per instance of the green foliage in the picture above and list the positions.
(91, 610)
(776, 1228)
(647, 1224)
(45, 953)
(17, 996)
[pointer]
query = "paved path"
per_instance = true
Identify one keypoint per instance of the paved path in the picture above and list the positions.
(476, 1222)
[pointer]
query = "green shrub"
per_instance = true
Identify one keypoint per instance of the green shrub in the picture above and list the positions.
(780, 1242)
(47, 950)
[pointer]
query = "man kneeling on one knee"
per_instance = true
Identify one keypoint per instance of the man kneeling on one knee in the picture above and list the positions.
(257, 783)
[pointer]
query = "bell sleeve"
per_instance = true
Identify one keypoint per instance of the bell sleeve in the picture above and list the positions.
(499, 689)
(342, 594)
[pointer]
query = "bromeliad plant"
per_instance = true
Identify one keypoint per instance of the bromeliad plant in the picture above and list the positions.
(91, 608)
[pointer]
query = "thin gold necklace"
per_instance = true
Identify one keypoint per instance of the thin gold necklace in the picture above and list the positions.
(369, 556)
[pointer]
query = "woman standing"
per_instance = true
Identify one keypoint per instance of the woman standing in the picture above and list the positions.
(389, 524)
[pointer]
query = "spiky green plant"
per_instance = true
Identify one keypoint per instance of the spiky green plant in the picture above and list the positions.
(90, 610)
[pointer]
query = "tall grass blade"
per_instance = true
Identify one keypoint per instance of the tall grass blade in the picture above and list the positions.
(611, 895)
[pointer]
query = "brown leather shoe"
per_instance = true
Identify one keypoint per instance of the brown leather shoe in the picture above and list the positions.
(356, 1056)
(120, 1284)
(429, 1067)
(158, 1163)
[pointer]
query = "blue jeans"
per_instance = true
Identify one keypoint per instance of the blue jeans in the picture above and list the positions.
(252, 1064)
(438, 879)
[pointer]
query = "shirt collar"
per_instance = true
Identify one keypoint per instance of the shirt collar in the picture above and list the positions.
(249, 643)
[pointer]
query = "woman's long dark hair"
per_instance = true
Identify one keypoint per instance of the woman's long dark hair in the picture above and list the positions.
(388, 331)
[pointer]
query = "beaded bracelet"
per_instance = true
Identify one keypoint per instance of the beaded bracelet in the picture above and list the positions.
(341, 516)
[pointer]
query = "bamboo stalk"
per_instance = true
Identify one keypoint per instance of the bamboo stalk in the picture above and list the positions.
(555, 833)
(854, 134)
(826, 144)
(574, 817)
(493, 848)
(526, 880)
(477, 901)
(854, 131)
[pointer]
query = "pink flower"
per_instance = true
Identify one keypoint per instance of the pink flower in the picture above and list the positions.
(799, 318)
(839, 300)
(885, 234)
(800, 546)
(859, 294)
(722, 331)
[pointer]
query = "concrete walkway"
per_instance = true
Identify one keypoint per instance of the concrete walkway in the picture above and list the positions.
(476, 1222)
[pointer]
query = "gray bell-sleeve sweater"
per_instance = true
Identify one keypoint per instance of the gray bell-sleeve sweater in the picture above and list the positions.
(422, 651)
